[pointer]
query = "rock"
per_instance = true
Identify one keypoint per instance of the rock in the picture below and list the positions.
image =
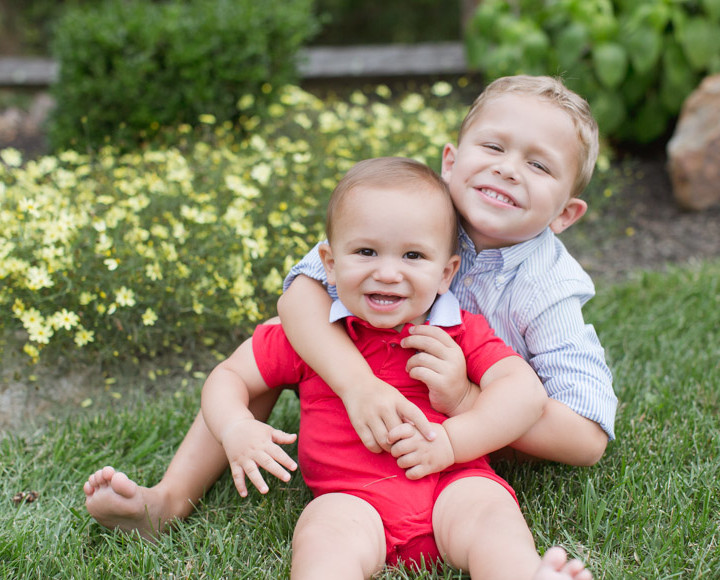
(694, 150)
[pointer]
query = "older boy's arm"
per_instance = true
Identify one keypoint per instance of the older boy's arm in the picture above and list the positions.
(564, 436)
(248, 443)
(510, 402)
(374, 407)
(569, 359)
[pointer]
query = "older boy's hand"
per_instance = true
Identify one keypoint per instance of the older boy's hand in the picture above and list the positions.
(376, 408)
(440, 364)
(418, 456)
(251, 444)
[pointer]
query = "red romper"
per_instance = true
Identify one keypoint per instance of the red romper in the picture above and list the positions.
(332, 457)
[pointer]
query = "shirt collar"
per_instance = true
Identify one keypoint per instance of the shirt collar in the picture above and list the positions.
(509, 257)
(445, 311)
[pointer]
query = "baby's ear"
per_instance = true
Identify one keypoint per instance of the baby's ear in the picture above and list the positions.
(573, 211)
(449, 272)
(328, 262)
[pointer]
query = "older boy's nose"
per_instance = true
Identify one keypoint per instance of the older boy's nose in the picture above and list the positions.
(506, 170)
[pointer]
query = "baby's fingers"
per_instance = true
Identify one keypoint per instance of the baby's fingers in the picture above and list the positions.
(402, 431)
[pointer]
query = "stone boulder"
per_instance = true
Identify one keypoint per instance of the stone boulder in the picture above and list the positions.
(694, 150)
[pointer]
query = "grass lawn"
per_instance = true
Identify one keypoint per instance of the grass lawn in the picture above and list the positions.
(649, 510)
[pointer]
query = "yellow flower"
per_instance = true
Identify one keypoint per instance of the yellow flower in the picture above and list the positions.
(245, 102)
(38, 277)
(31, 350)
(11, 156)
(111, 264)
(64, 319)
(149, 317)
(441, 89)
(261, 173)
(86, 298)
(125, 297)
(40, 334)
(153, 271)
(84, 336)
(207, 119)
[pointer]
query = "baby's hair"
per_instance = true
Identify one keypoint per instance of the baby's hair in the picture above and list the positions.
(554, 91)
(392, 173)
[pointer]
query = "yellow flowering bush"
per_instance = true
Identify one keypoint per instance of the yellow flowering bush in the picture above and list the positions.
(170, 247)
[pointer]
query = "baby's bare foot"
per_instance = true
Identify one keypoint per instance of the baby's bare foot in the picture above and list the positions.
(555, 566)
(117, 502)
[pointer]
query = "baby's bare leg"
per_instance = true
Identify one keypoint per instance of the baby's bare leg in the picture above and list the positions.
(338, 536)
(480, 528)
(118, 502)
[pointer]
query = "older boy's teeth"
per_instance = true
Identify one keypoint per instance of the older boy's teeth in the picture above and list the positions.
(495, 195)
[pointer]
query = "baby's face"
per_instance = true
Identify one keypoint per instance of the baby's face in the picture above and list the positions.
(511, 175)
(390, 254)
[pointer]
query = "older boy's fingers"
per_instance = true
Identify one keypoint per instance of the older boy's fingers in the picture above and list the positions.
(367, 436)
(412, 414)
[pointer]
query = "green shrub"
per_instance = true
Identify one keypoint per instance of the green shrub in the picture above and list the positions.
(130, 255)
(634, 60)
(129, 67)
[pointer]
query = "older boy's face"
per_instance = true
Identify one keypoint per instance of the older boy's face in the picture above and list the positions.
(511, 175)
(390, 255)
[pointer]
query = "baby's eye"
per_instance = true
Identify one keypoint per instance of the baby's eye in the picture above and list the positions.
(366, 252)
(413, 256)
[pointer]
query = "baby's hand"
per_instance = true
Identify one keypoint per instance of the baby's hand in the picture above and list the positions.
(418, 456)
(440, 364)
(376, 408)
(251, 444)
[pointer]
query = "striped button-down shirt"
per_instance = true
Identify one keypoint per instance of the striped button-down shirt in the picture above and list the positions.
(532, 295)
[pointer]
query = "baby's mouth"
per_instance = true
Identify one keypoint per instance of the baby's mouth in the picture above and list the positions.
(384, 300)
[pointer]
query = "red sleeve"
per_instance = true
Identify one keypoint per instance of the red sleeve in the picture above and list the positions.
(482, 348)
(276, 359)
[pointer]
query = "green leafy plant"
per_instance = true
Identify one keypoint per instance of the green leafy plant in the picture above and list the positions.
(635, 61)
(128, 68)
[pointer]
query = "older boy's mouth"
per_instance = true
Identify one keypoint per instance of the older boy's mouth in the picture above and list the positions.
(496, 195)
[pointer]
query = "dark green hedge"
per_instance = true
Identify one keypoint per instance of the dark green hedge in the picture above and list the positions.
(129, 67)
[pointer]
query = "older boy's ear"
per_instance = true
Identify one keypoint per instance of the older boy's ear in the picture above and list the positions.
(328, 262)
(574, 210)
(448, 160)
(449, 272)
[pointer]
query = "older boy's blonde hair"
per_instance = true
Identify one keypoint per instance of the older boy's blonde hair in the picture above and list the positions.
(554, 91)
(392, 173)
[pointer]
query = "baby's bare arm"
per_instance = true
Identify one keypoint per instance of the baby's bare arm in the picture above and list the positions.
(511, 400)
(374, 407)
(249, 444)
